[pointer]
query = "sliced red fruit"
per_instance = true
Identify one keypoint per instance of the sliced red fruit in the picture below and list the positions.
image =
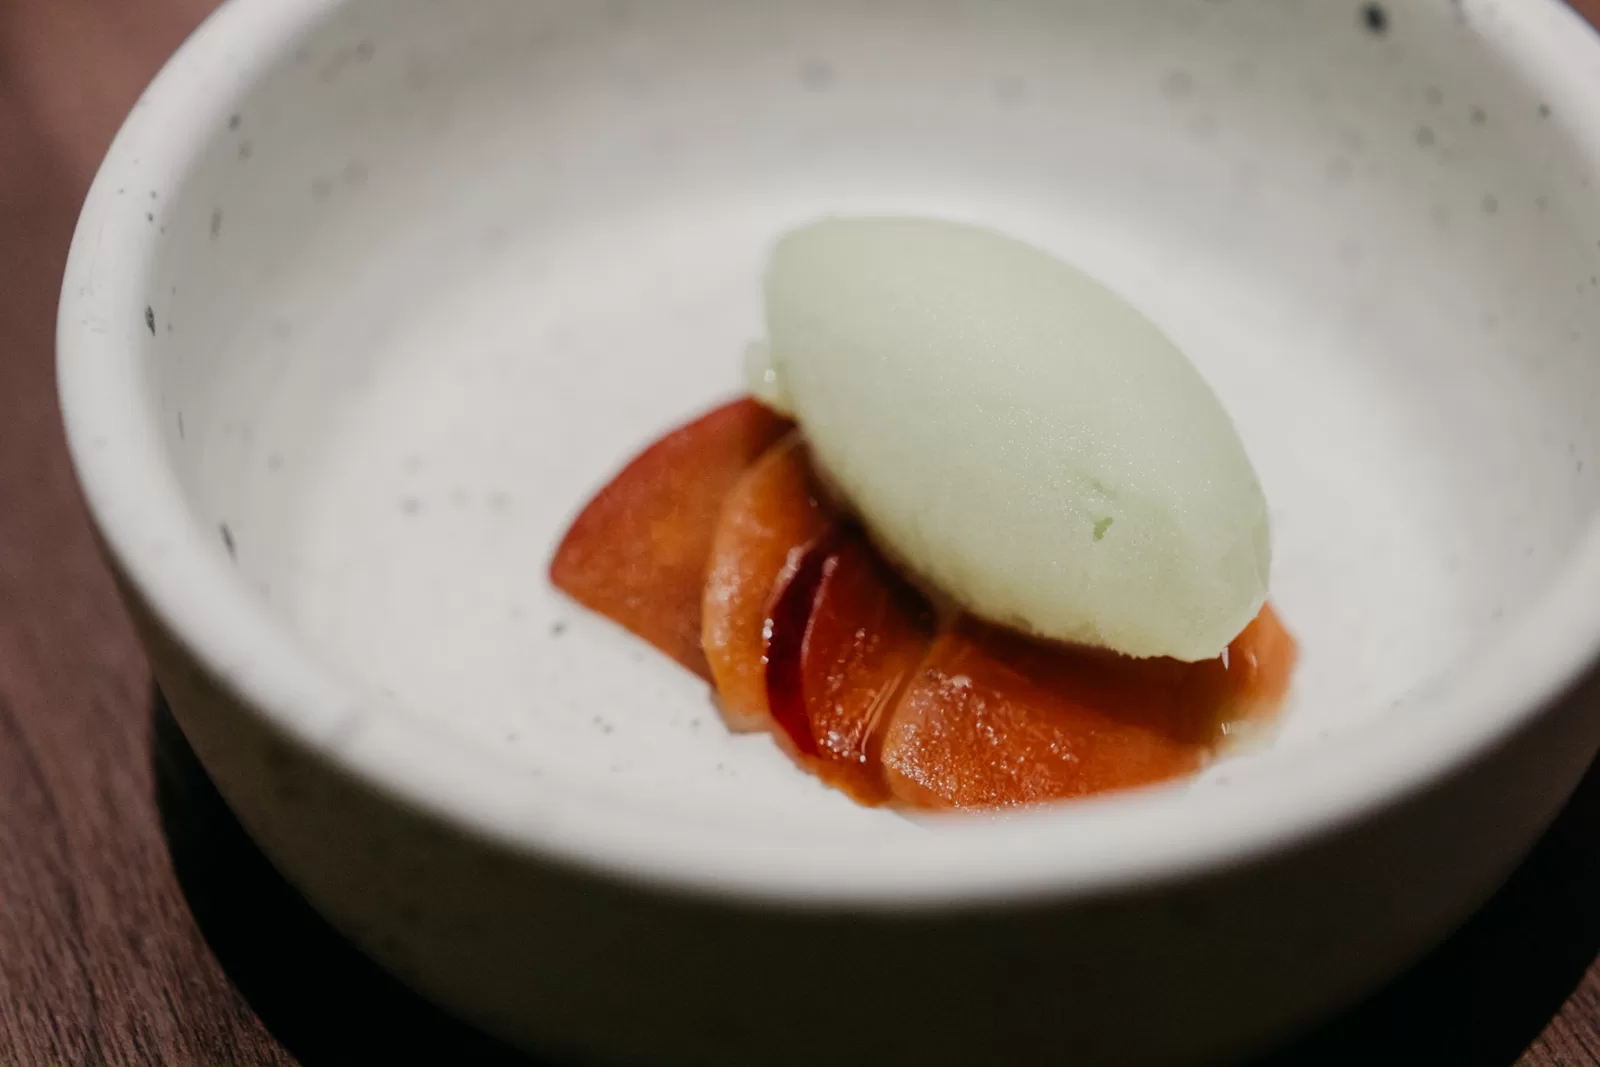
(833, 687)
(784, 630)
(992, 719)
(716, 533)
(768, 519)
(637, 554)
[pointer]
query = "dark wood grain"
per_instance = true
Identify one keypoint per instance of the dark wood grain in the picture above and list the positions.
(99, 959)
(134, 931)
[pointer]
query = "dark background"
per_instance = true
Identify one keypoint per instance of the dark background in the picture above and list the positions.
(139, 926)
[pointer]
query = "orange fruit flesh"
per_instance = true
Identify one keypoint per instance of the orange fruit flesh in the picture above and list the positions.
(637, 553)
(866, 633)
(993, 719)
(715, 546)
(772, 513)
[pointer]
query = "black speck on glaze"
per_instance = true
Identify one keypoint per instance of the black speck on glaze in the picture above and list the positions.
(246, 149)
(365, 50)
(181, 434)
(1544, 111)
(234, 120)
(1375, 18)
(1479, 116)
(557, 629)
(149, 216)
(1425, 137)
(227, 541)
(150, 319)
(216, 223)
(410, 506)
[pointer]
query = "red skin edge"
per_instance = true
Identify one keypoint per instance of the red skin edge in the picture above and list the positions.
(841, 640)
(794, 599)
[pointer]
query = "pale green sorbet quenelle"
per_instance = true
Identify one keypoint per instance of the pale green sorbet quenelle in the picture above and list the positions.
(1015, 435)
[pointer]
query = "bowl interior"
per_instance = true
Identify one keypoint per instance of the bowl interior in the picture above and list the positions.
(435, 274)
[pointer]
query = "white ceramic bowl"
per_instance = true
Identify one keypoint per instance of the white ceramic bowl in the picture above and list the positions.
(370, 295)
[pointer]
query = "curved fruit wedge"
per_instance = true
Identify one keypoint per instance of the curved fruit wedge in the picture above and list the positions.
(788, 617)
(637, 554)
(995, 720)
(767, 520)
(845, 635)
(717, 534)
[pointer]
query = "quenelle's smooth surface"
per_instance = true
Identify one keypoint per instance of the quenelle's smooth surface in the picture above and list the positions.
(332, 412)
(1018, 436)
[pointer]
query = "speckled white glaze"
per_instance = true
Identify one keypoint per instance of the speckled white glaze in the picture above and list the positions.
(369, 296)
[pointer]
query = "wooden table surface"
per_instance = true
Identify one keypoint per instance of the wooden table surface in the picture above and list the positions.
(139, 926)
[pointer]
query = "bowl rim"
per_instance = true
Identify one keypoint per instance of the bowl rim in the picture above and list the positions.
(1090, 847)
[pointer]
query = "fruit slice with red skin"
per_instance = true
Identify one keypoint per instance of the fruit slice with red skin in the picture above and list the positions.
(992, 719)
(768, 519)
(637, 553)
(832, 685)
(825, 634)
(788, 618)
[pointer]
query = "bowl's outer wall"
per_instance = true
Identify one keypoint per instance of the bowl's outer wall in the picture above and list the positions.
(556, 958)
